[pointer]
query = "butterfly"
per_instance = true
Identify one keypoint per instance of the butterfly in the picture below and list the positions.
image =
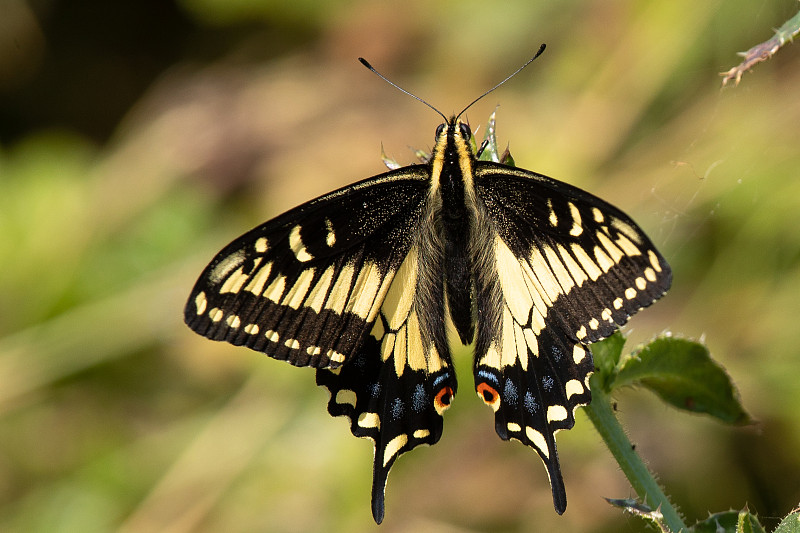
(363, 283)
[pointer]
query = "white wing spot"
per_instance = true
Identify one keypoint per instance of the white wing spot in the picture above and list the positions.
(394, 446)
(578, 354)
(616, 253)
(576, 220)
(275, 290)
(581, 333)
(330, 238)
(591, 269)
(364, 289)
(618, 303)
(573, 387)
(297, 294)
(627, 246)
(594, 323)
(603, 260)
(313, 350)
(553, 218)
(226, 265)
(216, 314)
(336, 357)
(547, 280)
(518, 298)
(340, 293)
(492, 357)
(606, 314)
(558, 268)
(530, 339)
(624, 227)
(538, 440)
(234, 321)
(575, 270)
(251, 329)
(200, 302)
(513, 427)
(640, 283)
(262, 245)
(297, 246)
(272, 335)
(346, 397)
(556, 413)
(294, 344)
(654, 260)
(650, 274)
(316, 297)
(421, 433)
(630, 293)
(235, 282)
(598, 215)
(256, 285)
(369, 420)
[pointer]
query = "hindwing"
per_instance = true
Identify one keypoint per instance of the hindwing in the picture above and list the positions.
(561, 269)
(307, 286)
(401, 380)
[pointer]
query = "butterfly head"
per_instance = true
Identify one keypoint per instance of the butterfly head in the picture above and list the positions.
(455, 127)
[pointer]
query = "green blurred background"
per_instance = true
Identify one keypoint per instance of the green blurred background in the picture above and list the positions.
(140, 136)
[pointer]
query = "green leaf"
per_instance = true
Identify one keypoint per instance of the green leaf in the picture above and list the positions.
(390, 163)
(490, 138)
(790, 524)
(730, 522)
(682, 373)
(507, 159)
(606, 354)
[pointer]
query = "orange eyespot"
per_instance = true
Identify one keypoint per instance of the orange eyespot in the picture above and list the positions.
(442, 400)
(489, 395)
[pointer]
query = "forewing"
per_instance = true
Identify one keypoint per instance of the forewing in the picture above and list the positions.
(307, 286)
(401, 379)
(561, 269)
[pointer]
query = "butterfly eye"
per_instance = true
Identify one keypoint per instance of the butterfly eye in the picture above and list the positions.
(439, 130)
(464, 131)
(442, 400)
(489, 396)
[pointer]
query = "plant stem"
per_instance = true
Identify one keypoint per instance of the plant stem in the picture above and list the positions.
(602, 416)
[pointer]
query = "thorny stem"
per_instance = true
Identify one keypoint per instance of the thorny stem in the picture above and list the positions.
(602, 416)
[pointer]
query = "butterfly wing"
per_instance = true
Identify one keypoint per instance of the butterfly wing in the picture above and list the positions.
(307, 286)
(562, 269)
(401, 380)
(344, 284)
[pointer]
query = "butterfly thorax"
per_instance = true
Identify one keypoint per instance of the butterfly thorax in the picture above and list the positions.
(451, 172)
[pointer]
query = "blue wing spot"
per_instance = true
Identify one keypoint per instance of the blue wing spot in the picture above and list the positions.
(557, 353)
(419, 399)
(547, 383)
(488, 376)
(531, 405)
(510, 393)
(439, 379)
(397, 408)
(375, 390)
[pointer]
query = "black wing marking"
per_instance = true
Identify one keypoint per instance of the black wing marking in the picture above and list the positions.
(307, 286)
(562, 269)
(400, 381)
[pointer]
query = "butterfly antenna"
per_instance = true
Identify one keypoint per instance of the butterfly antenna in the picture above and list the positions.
(412, 95)
(541, 49)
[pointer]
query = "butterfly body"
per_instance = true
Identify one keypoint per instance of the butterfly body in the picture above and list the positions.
(358, 283)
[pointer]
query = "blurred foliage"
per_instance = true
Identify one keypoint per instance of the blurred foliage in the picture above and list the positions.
(140, 137)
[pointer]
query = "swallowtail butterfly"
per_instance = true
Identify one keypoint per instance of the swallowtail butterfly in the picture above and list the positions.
(359, 284)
